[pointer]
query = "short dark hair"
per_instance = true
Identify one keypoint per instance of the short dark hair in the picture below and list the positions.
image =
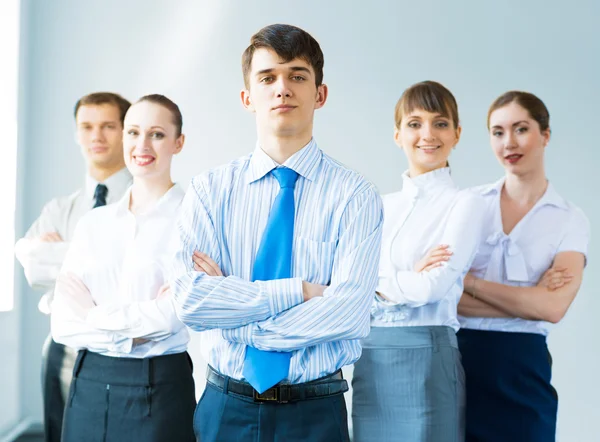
(289, 42)
(169, 105)
(429, 96)
(99, 98)
(532, 104)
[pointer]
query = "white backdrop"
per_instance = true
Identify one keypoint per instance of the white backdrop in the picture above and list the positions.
(191, 50)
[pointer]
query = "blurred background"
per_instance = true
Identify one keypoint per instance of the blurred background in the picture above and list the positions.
(53, 52)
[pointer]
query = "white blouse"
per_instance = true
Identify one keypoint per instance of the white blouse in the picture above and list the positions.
(429, 211)
(124, 259)
(520, 259)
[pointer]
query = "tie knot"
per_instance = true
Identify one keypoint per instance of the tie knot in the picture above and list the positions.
(100, 192)
(285, 176)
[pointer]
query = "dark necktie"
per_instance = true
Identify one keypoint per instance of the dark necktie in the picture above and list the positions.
(263, 369)
(100, 195)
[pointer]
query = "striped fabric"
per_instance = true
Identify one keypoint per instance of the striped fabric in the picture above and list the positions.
(337, 236)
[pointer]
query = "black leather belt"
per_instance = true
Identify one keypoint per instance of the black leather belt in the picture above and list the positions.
(282, 393)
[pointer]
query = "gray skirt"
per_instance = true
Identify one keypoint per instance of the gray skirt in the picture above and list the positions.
(409, 386)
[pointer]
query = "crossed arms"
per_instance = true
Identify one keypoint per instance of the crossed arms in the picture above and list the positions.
(284, 314)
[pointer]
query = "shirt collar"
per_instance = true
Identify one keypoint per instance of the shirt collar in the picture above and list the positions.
(167, 203)
(550, 196)
(117, 183)
(494, 188)
(427, 182)
(305, 162)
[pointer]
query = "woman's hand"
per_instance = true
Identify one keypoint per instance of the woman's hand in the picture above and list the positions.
(434, 258)
(555, 277)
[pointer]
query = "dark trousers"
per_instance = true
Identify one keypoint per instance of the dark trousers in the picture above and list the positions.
(55, 368)
(229, 417)
(509, 395)
(127, 399)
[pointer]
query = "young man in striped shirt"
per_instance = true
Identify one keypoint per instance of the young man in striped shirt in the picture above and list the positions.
(278, 261)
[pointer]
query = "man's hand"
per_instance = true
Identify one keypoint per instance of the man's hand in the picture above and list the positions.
(555, 278)
(310, 290)
(51, 237)
(204, 263)
(75, 292)
(434, 258)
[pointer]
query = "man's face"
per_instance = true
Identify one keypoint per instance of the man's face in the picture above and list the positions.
(284, 96)
(100, 134)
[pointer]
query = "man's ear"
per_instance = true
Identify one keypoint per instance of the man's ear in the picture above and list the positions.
(322, 93)
(247, 100)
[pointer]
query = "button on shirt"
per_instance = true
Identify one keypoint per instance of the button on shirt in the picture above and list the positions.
(124, 259)
(520, 259)
(42, 260)
(337, 233)
(429, 210)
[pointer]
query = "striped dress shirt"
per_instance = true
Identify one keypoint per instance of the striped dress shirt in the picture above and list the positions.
(337, 235)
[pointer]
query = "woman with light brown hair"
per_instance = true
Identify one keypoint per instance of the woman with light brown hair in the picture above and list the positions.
(409, 383)
(524, 278)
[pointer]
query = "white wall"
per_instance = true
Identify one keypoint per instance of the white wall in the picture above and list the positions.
(9, 372)
(191, 52)
(10, 321)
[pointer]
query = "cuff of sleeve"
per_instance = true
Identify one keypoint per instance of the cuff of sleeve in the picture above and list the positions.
(45, 303)
(392, 293)
(381, 300)
(282, 294)
(240, 335)
(123, 345)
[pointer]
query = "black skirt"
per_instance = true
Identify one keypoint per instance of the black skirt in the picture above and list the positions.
(128, 399)
(509, 395)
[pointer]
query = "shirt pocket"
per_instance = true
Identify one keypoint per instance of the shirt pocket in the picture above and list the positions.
(313, 260)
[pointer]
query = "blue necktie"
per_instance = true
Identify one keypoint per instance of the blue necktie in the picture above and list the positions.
(100, 195)
(263, 369)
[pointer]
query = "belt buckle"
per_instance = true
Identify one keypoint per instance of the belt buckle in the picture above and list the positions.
(270, 395)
